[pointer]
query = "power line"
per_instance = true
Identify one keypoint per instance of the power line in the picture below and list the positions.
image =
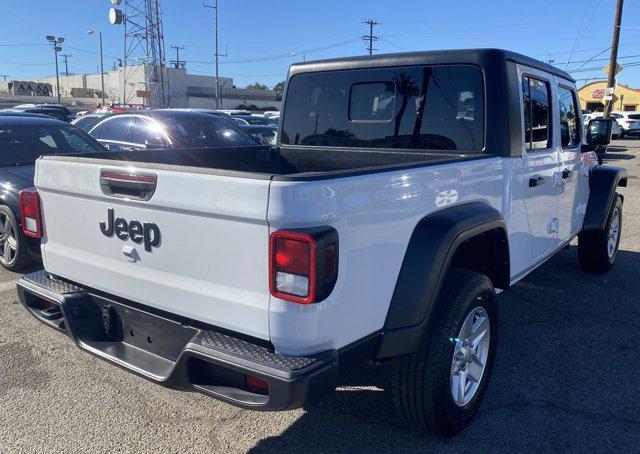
(370, 37)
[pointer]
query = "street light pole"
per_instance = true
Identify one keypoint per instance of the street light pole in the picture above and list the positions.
(91, 32)
(56, 43)
(101, 68)
(55, 51)
(217, 54)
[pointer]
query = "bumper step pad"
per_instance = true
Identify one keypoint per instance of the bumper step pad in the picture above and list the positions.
(176, 352)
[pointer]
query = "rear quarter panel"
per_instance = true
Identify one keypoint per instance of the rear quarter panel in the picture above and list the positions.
(375, 215)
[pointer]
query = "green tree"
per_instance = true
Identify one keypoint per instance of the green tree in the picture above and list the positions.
(279, 89)
(258, 86)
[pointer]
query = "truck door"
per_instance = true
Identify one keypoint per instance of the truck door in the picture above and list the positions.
(571, 190)
(540, 162)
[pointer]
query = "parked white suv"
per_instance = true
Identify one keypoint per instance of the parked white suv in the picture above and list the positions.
(629, 122)
(403, 191)
(616, 129)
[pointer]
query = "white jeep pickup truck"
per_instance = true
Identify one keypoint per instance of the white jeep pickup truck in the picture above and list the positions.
(404, 192)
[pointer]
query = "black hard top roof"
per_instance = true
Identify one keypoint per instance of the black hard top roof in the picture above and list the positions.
(9, 120)
(470, 56)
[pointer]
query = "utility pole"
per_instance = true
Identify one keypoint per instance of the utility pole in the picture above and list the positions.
(177, 62)
(217, 54)
(370, 37)
(613, 61)
(66, 63)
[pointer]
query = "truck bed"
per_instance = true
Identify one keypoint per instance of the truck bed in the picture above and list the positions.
(277, 163)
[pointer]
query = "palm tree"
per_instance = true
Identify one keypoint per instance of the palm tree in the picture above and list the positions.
(408, 88)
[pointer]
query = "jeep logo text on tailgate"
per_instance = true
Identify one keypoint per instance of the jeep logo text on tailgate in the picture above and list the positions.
(149, 233)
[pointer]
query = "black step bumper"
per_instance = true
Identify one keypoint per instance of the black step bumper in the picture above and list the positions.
(178, 353)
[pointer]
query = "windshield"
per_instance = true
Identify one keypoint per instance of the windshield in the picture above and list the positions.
(200, 131)
(23, 144)
(55, 113)
(86, 122)
(265, 136)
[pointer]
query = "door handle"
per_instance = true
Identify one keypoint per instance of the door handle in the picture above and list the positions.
(537, 181)
(566, 173)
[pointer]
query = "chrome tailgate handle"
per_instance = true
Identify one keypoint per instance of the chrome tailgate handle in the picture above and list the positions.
(128, 184)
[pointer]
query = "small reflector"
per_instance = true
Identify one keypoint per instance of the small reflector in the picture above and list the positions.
(256, 385)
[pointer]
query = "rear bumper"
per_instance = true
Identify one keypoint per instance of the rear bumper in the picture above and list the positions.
(177, 353)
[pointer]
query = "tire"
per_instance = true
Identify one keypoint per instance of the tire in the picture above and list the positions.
(423, 382)
(596, 252)
(12, 258)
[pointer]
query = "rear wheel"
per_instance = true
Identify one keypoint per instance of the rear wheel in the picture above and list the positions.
(13, 244)
(597, 250)
(442, 387)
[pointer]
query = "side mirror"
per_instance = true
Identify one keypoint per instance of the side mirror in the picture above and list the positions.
(599, 132)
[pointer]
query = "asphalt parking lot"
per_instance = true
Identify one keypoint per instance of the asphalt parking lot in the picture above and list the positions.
(566, 379)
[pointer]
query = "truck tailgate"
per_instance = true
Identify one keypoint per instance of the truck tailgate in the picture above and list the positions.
(209, 262)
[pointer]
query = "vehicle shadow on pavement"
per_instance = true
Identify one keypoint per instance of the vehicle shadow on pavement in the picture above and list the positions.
(565, 376)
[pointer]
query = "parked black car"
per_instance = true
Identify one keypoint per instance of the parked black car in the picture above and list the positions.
(258, 120)
(168, 128)
(23, 139)
(57, 111)
(264, 135)
(88, 121)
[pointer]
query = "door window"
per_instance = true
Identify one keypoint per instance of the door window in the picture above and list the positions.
(145, 131)
(537, 125)
(116, 129)
(569, 121)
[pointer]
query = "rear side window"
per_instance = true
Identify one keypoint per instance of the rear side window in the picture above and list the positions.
(117, 129)
(634, 116)
(569, 121)
(437, 107)
(535, 103)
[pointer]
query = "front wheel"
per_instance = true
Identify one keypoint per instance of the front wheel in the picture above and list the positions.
(442, 387)
(13, 244)
(598, 249)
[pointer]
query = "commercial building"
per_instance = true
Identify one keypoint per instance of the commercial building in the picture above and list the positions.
(134, 84)
(625, 98)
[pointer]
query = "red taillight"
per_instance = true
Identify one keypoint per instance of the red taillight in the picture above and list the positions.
(256, 385)
(30, 213)
(303, 264)
(293, 266)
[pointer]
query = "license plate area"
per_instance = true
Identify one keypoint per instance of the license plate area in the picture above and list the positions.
(103, 320)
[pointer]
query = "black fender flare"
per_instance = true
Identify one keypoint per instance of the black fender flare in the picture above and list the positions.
(431, 248)
(603, 182)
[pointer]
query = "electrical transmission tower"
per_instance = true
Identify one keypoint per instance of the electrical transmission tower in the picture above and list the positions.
(143, 45)
(370, 37)
(177, 62)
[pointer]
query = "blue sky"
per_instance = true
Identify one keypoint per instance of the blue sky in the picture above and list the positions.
(261, 35)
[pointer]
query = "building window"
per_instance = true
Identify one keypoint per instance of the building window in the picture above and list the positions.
(595, 106)
(630, 107)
